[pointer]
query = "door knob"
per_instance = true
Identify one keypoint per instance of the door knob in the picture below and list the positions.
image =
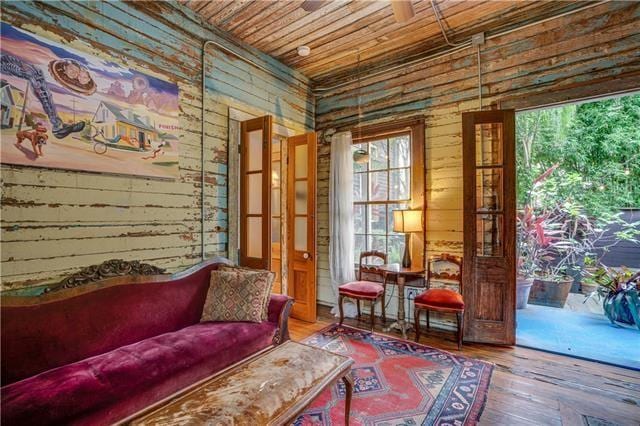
(306, 256)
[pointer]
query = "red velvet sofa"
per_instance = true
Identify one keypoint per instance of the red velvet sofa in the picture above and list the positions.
(100, 352)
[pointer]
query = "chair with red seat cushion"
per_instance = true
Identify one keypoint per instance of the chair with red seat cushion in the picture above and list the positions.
(365, 290)
(441, 298)
(448, 269)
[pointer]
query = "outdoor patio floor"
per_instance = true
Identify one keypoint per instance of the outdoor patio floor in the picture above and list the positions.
(579, 334)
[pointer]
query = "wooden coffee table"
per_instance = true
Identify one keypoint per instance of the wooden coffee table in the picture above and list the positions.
(272, 388)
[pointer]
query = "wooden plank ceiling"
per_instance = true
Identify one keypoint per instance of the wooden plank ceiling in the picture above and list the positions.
(341, 29)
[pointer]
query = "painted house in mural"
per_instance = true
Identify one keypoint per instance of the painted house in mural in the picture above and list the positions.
(134, 129)
(11, 103)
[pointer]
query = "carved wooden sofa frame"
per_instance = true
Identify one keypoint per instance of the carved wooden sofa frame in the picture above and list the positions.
(115, 272)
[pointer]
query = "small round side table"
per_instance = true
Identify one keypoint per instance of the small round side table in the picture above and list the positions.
(395, 269)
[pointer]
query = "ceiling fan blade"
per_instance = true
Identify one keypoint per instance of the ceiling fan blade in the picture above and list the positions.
(402, 10)
(312, 5)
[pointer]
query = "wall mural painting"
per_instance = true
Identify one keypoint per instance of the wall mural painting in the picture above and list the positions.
(65, 109)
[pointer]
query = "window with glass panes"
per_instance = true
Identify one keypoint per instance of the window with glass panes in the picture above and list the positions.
(381, 185)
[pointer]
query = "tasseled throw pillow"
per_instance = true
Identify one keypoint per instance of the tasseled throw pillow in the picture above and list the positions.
(238, 295)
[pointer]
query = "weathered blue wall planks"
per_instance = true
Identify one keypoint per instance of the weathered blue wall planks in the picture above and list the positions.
(56, 221)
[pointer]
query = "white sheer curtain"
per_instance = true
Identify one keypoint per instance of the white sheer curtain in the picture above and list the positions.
(341, 230)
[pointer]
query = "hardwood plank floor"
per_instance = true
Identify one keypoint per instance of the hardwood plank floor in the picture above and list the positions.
(531, 387)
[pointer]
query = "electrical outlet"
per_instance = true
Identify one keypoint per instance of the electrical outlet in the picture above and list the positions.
(412, 293)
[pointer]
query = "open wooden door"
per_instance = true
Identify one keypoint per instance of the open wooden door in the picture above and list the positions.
(301, 225)
(276, 213)
(255, 193)
(489, 275)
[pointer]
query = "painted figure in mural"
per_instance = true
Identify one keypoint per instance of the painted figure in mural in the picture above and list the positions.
(38, 138)
(18, 68)
(157, 152)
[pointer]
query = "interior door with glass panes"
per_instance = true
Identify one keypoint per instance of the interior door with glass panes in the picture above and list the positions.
(276, 213)
(301, 225)
(255, 193)
(489, 272)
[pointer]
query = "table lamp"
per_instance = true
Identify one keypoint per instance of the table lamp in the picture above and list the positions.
(407, 221)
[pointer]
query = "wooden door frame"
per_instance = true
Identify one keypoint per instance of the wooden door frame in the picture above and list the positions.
(312, 227)
(236, 116)
(475, 329)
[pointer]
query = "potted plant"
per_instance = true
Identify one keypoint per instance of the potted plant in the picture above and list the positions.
(554, 250)
(524, 282)
(619, 290)
(527, 255)
(543, 251)
(588, 286)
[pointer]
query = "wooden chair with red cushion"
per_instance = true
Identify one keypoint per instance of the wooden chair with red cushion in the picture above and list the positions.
(444, 268)
(363, 289)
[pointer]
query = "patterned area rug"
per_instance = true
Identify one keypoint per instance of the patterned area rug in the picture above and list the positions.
(399, 383)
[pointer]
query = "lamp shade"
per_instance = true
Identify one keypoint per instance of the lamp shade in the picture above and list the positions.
(407, 221)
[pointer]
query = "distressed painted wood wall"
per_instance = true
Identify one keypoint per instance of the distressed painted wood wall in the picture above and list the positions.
(54, 221)
(590, 53)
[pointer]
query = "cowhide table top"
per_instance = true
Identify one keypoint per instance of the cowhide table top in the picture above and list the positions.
(272, 388)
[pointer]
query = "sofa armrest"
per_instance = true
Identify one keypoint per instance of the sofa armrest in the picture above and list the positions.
(279, 310)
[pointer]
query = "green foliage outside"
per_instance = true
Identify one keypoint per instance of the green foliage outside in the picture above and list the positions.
(596, 147)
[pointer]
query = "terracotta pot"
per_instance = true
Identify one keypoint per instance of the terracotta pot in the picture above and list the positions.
(550, 293)
(587, 289)
(523, 287)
